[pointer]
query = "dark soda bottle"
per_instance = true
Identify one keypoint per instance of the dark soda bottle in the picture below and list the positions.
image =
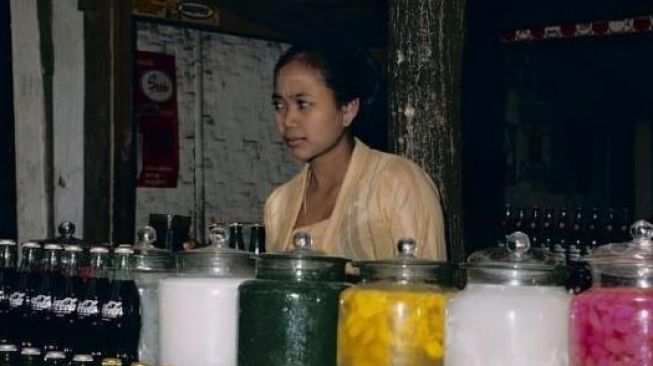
(594, 229)
(560, 234)
(55, 358)
(20, 300)
(505, 225)
(41, 317)
(64, 302)
(8, 355)
(519, 222)
(111, 361)
(547, 229)
(31, 356)
(257, 238)
(533, 227)
(625, 220)
(610, 227)
(121, 316)
(82, 360)
(7, 284)
(89, 307)
(236, 240)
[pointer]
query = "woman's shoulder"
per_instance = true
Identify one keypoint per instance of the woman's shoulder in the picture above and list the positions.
(294, 184)
(395, 167)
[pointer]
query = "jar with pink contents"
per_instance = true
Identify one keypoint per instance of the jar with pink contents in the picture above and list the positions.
(612, 322)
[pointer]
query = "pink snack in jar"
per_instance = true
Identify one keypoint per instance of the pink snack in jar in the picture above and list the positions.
(612, 323)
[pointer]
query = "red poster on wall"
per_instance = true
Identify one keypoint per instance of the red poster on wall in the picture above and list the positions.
(155, 108)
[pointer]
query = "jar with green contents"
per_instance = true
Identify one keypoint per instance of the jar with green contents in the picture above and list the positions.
(395, 316)
(289, 312)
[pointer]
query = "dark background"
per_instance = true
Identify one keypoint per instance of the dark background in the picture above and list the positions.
(7, 167)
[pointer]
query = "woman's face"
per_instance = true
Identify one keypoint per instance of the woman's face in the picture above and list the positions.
(306, 112)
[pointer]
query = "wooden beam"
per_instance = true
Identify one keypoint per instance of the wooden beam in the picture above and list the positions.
(424, 72)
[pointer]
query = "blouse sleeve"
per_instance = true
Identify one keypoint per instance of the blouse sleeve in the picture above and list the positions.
(411, 207)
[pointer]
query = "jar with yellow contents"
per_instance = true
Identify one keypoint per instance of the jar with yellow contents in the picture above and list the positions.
(395, 316)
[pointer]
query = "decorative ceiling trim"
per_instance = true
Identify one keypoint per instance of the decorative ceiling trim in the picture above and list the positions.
(640, 24)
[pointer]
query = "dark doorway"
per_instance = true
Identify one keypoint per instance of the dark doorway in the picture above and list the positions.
(7, 152)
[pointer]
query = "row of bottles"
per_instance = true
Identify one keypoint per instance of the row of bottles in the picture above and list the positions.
(558, 229)
(256, 237)
(46, 305)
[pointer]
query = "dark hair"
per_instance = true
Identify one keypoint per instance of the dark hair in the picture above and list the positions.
(347, 69)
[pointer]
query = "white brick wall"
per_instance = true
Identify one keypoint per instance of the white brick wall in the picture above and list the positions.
(244, 158)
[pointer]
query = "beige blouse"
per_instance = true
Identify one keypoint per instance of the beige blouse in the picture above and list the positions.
(383, 198)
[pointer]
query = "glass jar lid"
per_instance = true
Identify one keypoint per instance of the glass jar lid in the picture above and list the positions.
(406, 267)
(216, 259)
(147, 257)
(515, 264)
(301, 263)
(627, 260)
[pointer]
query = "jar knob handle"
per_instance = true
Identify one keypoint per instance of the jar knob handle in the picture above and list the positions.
(518, 243)
(218, 235)
(66, 229)
(302, 240)
(642, 231)
(407, 247)
(146, 235)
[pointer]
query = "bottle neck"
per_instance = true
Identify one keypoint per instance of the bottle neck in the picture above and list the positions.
(51, 261)
(72, 264)
(123, 268)
(30, 261)
(98, 265)
(7, 257)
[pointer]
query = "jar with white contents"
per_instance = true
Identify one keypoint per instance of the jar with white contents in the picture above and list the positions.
(513, 311)
(198, 308)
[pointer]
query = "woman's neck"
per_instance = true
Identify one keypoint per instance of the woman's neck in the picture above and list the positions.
(328, 171)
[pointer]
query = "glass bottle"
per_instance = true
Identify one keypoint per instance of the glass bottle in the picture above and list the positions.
(611, 322)
(594, 229)
(20, 300)
(89, 306)
(505, 224)
(548, 225)
(7, 284)
(513, 311)
(82, 360)
(41, 317)
(55, 358)
(560, 235)
(121, 318)
(395, 316)
(8, 355)
(64, 302)
(301, 288)
(257, 238)
(236, 240)
(533, 227)
(31, 356)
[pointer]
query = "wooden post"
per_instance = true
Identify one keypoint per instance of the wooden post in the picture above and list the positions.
(110, 166)
(424, 72)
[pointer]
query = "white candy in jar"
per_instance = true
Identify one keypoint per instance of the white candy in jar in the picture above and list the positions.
(499, 325)
(198, 321)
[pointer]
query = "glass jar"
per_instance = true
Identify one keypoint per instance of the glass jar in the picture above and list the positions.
(198, 307)
(395, 316)
(612, 322)
(289, 313)
(513, 311)
(149, 265)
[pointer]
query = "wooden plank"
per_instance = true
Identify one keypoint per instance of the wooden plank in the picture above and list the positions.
(32, 132)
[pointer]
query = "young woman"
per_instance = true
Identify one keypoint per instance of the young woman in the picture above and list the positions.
(355, 201)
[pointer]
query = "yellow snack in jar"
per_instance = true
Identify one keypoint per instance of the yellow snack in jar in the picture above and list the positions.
(385, 326)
